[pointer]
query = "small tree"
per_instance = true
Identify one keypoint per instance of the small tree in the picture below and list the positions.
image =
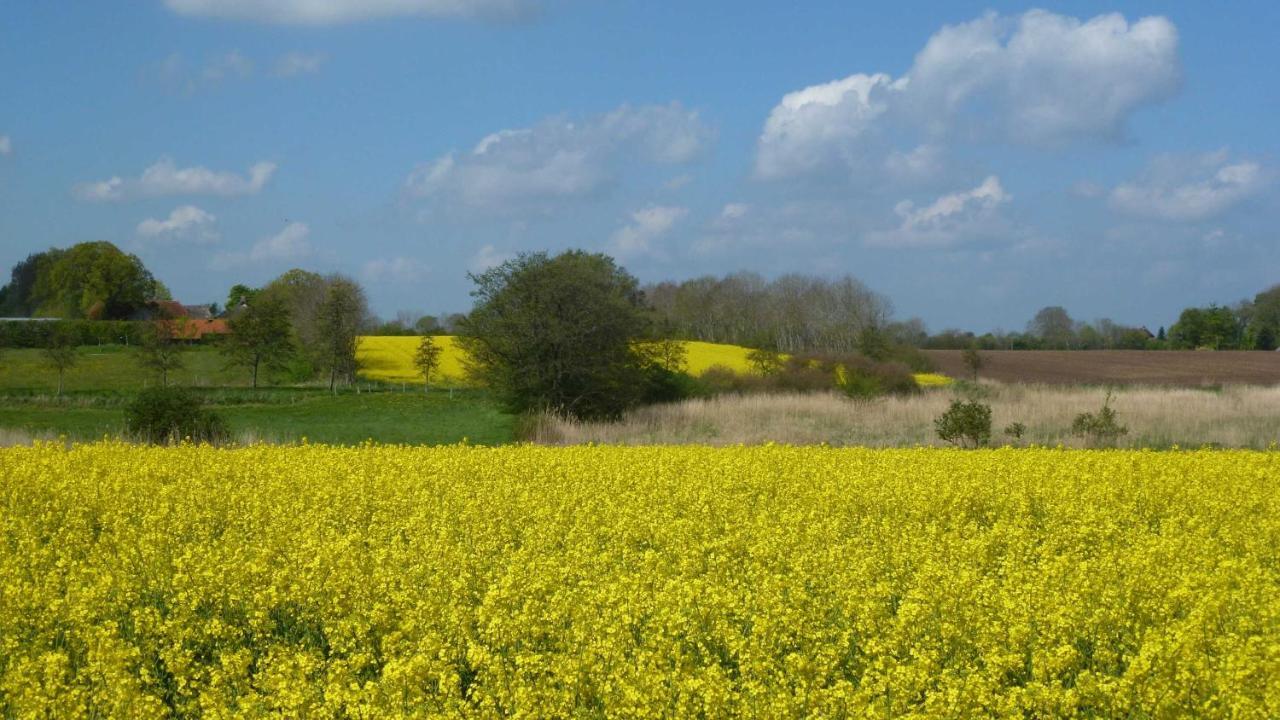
(966, 424)
(161, 350)
(340, 316)
(972, 360)
(1101, 429)
(261, 335)
(60, 353)
(1015, 430)
(427, 359)
(765, 362)
(670, 354)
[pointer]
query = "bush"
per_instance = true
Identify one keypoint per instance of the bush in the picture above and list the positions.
(663, 385)
(1100, 430)
(162, 415)
(1015, 430)
(965, 423)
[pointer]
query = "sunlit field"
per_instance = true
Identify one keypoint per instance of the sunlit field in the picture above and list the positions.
(390, 359)
(314, 581)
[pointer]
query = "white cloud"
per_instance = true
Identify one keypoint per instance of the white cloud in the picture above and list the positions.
(821, 124)
(398, 270)
(1189, 189)
(646, 226)
(229, 65)
(291, 243)
(946, 220)
(166, 178)
(187, 222)
(734, 211)
(487, 257)
(1039, 78)
(298, 63)
(6, 145)
(333, 12)
(559, 159)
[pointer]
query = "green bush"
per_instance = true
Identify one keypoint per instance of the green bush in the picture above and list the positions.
(966, 424)
(162, 415)
(1101, 429)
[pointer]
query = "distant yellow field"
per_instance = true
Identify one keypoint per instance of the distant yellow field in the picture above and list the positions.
(390, 359)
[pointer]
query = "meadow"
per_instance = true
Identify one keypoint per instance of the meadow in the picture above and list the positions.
(317, 581)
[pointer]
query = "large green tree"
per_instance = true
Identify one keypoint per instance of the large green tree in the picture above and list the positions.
(1264, 324)
(1214, 327)
(340, 316)
(94, 280)
(261, 336)
(556, 334)
(19, 298)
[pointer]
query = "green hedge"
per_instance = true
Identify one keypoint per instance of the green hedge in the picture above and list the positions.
(35, 334)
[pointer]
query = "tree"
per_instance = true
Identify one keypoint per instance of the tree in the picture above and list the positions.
(161, 349)
(556, 334)
(19, 298)
(339, 319)
(427, 359)
(240, 295)
(96, 281)
(60, 353)
(966, 424)
(972, 360)
(261, 335)
(1264, 325)
(1053, 327)
(1214, 328)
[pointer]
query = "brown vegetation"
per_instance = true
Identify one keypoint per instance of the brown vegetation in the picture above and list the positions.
(1185, 368)
(1157, 418)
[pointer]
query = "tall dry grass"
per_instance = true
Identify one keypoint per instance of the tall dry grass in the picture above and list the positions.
(1241, 416)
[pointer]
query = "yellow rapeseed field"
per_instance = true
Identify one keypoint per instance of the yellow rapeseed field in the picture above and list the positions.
(372, 582)
(390, 359)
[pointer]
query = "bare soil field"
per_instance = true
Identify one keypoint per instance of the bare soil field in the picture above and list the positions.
(1186, 368)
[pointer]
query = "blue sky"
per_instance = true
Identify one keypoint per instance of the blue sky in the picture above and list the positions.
(973, 162)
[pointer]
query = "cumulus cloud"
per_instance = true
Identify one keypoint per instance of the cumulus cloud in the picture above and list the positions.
(1189, 189)
(186, 222)
(1039, 79)
(298, 63)
(166, 178)
(559, 159)
(946, 220)
(397, 269)
(6, 145)
(291, 243)
(335, 12)
(646, 226)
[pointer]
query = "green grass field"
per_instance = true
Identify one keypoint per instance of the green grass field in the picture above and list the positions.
(105, 378)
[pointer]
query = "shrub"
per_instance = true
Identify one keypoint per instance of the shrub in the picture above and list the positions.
(966, 424)
(1101, 429)
(1015, 430)
(161, 415)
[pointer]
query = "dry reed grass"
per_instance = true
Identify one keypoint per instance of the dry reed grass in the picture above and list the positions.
(1234, 416)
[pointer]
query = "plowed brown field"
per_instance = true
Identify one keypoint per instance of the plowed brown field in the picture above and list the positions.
(1121, 367)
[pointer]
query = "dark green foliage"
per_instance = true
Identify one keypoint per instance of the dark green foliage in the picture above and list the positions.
(1015, 430)
(340, 317)
(427, 358)
(967, 423)
(1214, 328)
(556, 334)
(35, 334)
(161, 415)
(765, 362)
(18, 298)
(1101, 429)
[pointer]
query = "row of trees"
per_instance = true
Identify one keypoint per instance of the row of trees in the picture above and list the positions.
(794, 313)
(302, 323)
(93, 280)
